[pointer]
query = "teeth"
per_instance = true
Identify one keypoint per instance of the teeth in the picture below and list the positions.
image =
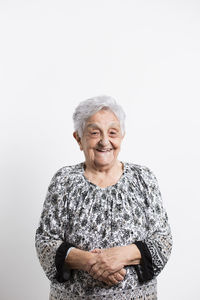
(104, 150)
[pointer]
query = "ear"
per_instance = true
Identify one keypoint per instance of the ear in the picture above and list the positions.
(123, 136)
(78, 139)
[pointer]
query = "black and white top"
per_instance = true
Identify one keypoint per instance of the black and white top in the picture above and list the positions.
(79, 213)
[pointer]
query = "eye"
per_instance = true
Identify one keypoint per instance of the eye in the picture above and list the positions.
(95, 133)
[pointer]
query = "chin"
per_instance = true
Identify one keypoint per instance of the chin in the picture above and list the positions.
(104, 162)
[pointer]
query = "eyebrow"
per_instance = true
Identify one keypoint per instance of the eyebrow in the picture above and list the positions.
(94, 125)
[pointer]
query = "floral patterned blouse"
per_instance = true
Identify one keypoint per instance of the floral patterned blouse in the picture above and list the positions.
(79, 213)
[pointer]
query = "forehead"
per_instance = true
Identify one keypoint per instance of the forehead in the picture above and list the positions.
(103, 117)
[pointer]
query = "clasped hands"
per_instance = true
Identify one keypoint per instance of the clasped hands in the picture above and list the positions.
(108, 265)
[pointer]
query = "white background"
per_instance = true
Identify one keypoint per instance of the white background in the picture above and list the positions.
(54, 54)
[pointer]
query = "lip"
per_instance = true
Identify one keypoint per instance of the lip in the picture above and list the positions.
(104, 150)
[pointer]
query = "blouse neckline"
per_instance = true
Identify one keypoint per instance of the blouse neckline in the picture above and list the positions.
(109, 186)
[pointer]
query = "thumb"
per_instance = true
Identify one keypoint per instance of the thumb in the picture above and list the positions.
(96, 250)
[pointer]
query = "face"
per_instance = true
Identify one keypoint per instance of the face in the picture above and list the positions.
(101, 139)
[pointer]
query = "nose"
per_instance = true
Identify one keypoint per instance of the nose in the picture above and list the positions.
(104, 141)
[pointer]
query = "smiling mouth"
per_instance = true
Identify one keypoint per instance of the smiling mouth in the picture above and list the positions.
(104, 150)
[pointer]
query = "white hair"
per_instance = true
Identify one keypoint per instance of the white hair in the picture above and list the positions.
(90, 106)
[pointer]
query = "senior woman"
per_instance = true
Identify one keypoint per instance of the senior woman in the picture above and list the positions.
(103, 232)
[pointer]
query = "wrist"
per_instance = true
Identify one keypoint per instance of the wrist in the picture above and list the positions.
(90, 260)
(80, 259)
(132, 255)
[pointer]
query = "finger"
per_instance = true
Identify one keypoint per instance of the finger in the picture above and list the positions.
(136, 262)
(118, 276)
(93, 270)
(122, 272)
(105, 274)
(96, 273)
(108, 282)
(96, 250)
(113, 279)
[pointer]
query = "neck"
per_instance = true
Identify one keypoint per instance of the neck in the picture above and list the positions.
(96, 169)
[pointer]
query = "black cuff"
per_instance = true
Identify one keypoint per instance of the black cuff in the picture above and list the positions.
(145, 269)
(63, 273)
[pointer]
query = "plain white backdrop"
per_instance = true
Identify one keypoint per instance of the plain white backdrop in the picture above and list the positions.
(54, 54)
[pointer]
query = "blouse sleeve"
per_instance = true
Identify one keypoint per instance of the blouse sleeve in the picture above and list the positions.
(50, 235)
(156, 247)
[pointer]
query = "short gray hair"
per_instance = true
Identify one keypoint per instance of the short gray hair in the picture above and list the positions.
(90, 106)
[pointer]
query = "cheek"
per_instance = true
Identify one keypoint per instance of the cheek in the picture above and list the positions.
(89, 147)
(117, 144)
(88, 144)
